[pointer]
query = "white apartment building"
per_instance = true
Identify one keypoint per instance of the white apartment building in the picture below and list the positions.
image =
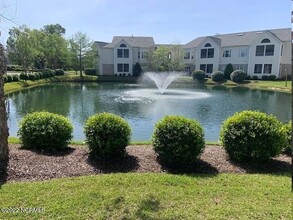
(258, 53)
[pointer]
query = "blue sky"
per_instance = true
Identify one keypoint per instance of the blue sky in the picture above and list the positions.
(168, 21)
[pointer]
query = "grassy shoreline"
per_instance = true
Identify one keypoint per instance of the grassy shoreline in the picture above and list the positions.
(72, 77)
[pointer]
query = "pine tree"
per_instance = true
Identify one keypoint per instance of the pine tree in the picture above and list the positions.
(228, 70)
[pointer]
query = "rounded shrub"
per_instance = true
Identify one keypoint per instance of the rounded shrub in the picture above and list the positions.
(272, 77)
(255, 77)
(217, 76)
(238, 76)
(178, 140)
(23, 76)
(32, 76)
(90, 71)
(15, 78)
(264, 77)
(198, 75)
(45, 131)
(59, 72)
(9, 78)
(252, 135)
(288, 130)
(107, 135)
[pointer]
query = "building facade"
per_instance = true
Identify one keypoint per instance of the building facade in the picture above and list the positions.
(119, 57)
(258, 53)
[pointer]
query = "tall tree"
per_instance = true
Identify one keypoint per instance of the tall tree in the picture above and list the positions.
(4, 152)
(80, 45)
(20, 46)
(54, 29)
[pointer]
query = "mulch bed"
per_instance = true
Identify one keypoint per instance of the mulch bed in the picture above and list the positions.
(26, 165)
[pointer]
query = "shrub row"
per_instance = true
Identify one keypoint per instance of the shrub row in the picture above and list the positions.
(90, 71)
(247, 135)
(33, 75)
(235, 76)
(11, 78)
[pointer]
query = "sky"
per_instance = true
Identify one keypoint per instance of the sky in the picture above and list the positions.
(167, 21)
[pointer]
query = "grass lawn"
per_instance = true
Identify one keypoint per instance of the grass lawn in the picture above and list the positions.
(150, 196)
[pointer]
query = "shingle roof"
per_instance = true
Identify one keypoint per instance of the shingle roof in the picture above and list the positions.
(100, 43)
(242, 38)
(133, 41)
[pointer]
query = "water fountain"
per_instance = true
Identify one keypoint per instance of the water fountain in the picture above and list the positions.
(162, 80)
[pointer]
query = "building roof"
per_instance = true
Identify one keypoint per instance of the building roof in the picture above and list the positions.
(134, 41)
(242, 38)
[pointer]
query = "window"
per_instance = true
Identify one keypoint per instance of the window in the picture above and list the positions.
(207, 53)
(207, 68)
(122, 45)
(207, 45)
(259, 50)
(265, 50)
(122, 53)
(138, 55)
(123, 67)
(227, 53)
(187, 56)
(267, 68)
(187, 69)
(243, 52)
(270, 50)
(258, 68)
(266, 40)
(144, 55)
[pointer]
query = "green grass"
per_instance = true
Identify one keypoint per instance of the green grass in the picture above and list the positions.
(17, 86)
(151, 196)
(279, 85)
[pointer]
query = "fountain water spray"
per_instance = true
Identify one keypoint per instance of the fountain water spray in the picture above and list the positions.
(162, 80)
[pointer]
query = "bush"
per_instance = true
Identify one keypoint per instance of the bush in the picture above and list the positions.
(228, 70)
(272, 77)
(255, 77)
(5, 78)
(15, 78)
(37, 76)
(252, 135)
(238, 76)
(9, 78)
(217, 76)
(31, 76)
(48, 73)
(198, 75)
(264, 77)
(41, 75)
(178, 140)
(45, 131)
(23, 76)
(90, 71)
(59, 72)
(107, 135)
(288, 130)
(137, 70)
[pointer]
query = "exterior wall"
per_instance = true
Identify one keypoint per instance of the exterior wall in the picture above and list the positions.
(108, 69)
(123, 60)
(237, 59)
(274, 60)
(214, 61)
(105, 59)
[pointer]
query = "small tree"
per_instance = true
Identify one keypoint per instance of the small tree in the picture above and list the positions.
(137, 70)
(228, 70)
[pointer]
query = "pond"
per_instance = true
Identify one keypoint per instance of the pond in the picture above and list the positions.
(142, 107)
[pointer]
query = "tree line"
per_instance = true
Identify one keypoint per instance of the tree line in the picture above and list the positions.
(48, 48)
